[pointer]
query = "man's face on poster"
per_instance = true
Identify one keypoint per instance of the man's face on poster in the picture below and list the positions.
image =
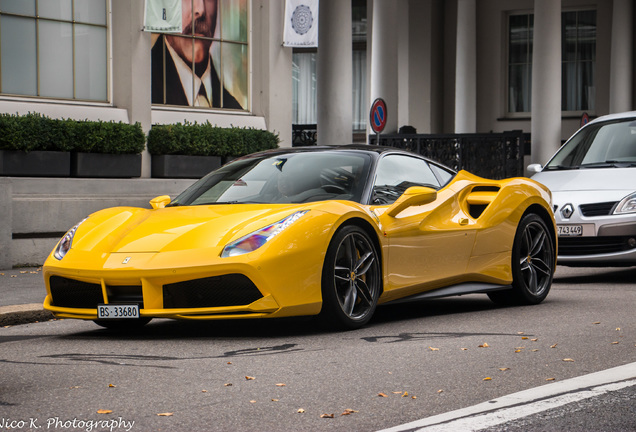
(200, 16)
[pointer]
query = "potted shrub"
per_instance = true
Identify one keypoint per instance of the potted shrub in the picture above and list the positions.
(192, 150)
(33, 146)
(107, 149)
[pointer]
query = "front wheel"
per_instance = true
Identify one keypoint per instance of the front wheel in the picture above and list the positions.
(533, 264)
(351, 279)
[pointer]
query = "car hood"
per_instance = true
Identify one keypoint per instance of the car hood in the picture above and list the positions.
(598, 179)
(134, 230)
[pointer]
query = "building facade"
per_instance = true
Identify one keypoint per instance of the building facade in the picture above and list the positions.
(442, 66)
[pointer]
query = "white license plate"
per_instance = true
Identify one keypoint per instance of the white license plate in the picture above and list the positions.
(570, 230)
(117, 311)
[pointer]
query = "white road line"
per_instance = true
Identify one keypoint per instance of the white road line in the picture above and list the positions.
(525, 403)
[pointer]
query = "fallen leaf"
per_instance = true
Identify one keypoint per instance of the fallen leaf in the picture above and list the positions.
(301, 411)
(484, 345)
(249, 378)
(618, 329)
(597, 322)
(553, 346)
(405, 394)
(487, 379)
(413, 397)
(550, 379)
(382, 395)
(326, 415)
(274, 400)
(252, 401)
(104, 411)
(228, 385)
(166, 414)
(520, 333)
(229, 362)
(111, 385)
(433, 349)
(280, 385)
(397, 392)
(14, 276)
(204, 391)
(615, 343)
(534, 340)
(504, 369)
(440, 391)
(568, 360)
(535, 350)
(464, 349)
(518, 351)
(524, 338)
(348, 411)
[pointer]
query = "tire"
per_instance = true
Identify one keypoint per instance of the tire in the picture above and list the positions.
(124, 324)
(533, 264)
(351, 279)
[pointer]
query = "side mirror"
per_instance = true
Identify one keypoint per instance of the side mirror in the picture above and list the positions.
(535, 168)
(413, 196)
(160, 202)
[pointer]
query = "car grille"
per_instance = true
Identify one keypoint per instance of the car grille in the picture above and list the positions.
(125, 294)
(218, 291)
(75, 294)
(592, 245)
(597, 209)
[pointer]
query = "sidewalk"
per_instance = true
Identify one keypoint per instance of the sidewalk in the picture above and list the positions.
(22, 293)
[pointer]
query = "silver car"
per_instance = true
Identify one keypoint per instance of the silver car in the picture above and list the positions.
(593, 182)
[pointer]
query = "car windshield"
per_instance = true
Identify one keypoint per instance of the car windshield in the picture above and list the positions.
(603, 145)
(282, 178)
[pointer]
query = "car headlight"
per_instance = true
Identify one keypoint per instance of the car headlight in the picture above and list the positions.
(64, 245)
(253, 241)
(627, 205)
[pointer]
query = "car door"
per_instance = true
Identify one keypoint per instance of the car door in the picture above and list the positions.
(425, 244)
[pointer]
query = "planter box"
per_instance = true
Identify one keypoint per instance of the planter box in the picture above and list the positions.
(105, 165)
(181, 166)
(35, 163)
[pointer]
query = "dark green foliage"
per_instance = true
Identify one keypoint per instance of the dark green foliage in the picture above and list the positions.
(206, 140)
(33, 132)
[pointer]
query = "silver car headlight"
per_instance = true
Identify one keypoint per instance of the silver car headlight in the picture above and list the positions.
(627, 205)
(253, 241)
(65, 243)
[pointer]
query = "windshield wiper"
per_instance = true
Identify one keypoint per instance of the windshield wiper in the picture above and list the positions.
(560, 167)
(609, 164)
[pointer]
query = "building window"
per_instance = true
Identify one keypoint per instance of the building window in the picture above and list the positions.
(206, 65)
(304, 98)
(578, 59)
(578, 51)
(54, 48)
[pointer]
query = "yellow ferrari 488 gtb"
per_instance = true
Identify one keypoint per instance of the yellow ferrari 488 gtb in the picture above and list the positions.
(330, 231)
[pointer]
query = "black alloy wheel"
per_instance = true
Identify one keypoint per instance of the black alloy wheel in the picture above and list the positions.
(533, 264)
(351, 279)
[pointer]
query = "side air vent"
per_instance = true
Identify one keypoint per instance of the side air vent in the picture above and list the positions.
(479, 198)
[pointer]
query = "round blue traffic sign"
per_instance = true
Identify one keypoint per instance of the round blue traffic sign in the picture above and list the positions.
(378, 115)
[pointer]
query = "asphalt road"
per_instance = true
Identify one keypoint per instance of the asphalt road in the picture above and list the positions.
(413, 361)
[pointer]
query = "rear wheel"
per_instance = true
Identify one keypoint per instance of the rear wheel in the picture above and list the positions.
(533, 264)
(351, 279)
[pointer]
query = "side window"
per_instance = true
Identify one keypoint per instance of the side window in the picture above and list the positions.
(396, 173)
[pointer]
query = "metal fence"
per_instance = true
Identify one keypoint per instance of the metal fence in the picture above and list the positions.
(490, 155)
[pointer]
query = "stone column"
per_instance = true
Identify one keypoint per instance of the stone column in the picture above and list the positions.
(622, 56)
(334, 74)
(466, 68)
(384, 67)
(546, 80)
(131, 67)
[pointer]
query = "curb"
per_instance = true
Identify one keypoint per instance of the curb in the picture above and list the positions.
(23, 314)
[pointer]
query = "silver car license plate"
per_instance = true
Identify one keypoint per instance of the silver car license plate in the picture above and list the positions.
(117, 311)
(570, 230)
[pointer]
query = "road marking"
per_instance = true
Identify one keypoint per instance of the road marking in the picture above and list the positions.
(525, 403)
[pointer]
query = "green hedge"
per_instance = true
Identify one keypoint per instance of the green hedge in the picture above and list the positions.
(206, 140)
(33, 132)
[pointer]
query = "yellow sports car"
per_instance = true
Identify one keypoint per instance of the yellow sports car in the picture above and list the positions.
(329, 231)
